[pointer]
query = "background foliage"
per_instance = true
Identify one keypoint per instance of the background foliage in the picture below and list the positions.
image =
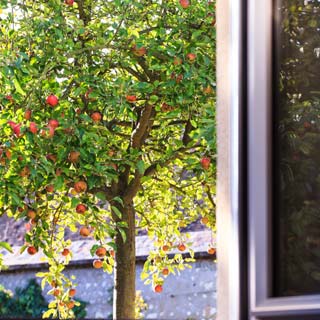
(28, 303)
(297, 130)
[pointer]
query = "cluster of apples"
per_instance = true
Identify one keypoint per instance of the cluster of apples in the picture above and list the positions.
(181, 247)
(80, 187)
(59, 294)
(52, 101)
(101, 252)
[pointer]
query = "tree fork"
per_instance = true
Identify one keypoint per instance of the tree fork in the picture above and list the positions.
(125, 267)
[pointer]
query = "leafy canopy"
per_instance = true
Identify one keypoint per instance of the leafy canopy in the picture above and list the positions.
(134, 124)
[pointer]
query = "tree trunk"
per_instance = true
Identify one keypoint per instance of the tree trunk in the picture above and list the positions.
(125, 268)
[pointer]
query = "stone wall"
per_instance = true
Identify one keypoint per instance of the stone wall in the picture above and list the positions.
(190, 295)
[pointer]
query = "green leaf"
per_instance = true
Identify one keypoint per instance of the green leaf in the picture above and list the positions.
(123, 234)
(122, 224)
(144, 275)
(107, 267)
(49, 313)
(74, 202)
(153, 99)
(18, 87)
(112, 245)
(58, 184)
(101, 195)
(119, 200)
(94, 249)
(23, 248)
(41, 274)
(140, 166)
(116, 211)
(6, 245)
(15, 199)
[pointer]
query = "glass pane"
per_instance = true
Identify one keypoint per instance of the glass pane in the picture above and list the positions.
(297, 147)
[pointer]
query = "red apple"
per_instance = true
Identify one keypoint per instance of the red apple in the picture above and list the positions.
(25, 172)
(184, 3)
(80, 186)
(33, 128)
(205, 163)
(165, 271)
(65, 252)
(131, 99)
(165, 247)
(211, 250)
(56, 292)
(182, 247)
(27, 114)
(8, 154)
(96, 117)
(32, 250)
(204, 220)
(81, 208)
(101, 252)
(69, 2)
(97, 264)
(74, 156)
(207, 90)
(166, 108)
(191, 57)
(53, 123)
(31, 214)
(52, 100)
(158, 288)
(15, 128)
(84, 232)
(177, 61)
(139, 52)
(50, 188)
(307, 125)
(72, 292)
(179, 78)
(111, 153)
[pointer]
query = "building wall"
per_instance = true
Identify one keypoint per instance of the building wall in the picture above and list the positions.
(190, 295)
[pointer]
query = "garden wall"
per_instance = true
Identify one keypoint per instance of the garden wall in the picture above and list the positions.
(190, 295)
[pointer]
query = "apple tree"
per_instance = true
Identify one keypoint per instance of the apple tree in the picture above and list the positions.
(107, 129)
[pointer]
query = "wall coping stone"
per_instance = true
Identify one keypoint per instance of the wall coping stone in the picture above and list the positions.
(82, 257)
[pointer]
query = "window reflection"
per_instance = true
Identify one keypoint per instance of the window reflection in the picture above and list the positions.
(297, 147)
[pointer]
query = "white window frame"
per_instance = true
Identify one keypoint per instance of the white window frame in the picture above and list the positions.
(244, 125)
(231, 281)
(260, 42)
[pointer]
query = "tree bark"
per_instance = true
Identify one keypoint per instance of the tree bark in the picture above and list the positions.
(125, 268)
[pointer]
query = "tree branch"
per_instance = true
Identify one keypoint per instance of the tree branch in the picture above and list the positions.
(142, 127)
(133, 187)
(188, 128)
(153, 167)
